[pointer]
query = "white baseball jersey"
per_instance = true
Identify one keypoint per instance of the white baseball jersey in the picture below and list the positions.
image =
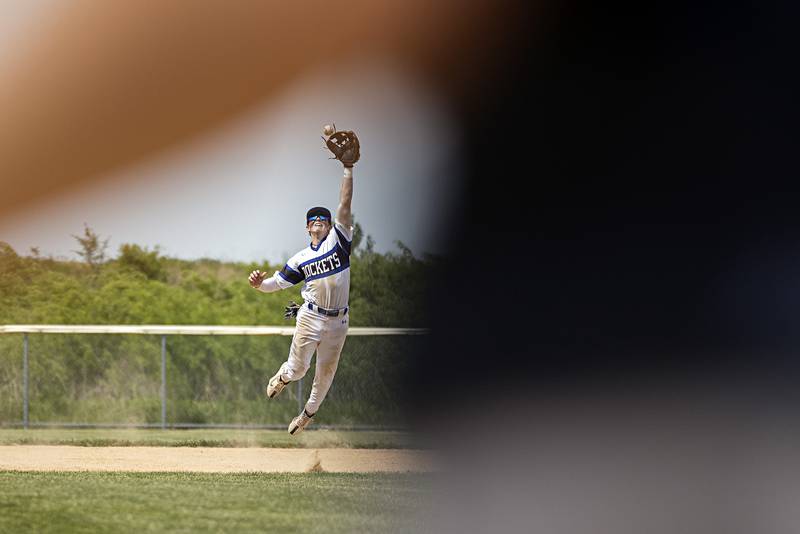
(325, 269)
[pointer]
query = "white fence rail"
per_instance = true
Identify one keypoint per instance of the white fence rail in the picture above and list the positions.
(192, 330)
(164, 331)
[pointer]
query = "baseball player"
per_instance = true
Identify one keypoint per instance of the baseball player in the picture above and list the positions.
(324, 267)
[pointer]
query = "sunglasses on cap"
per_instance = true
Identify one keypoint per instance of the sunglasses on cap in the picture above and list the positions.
(319, 218)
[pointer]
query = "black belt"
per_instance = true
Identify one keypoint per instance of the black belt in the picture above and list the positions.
(329, 313)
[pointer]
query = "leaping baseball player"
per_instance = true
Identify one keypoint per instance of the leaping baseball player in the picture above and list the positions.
(324, 267)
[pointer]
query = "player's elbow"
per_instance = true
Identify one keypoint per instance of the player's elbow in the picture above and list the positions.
(343, 215)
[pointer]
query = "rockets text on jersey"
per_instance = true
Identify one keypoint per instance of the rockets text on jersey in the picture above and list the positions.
(324, 268)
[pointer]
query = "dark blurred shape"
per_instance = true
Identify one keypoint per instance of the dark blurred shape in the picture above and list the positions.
(632, 199)
(615, 336)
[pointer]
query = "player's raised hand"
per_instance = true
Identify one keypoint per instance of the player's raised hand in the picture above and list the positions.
(256, 277)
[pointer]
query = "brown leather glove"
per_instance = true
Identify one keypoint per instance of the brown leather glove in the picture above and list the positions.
(345, 146)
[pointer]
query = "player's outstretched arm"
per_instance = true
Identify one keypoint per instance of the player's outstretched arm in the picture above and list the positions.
(259, 280)
(343, 213)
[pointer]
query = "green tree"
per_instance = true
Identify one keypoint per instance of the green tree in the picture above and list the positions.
(93, 250)
(142, 260)
(11, 270)
(358, 235)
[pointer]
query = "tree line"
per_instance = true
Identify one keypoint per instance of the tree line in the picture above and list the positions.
(142, 286)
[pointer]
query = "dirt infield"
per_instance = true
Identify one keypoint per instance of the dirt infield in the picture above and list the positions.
(211, 459)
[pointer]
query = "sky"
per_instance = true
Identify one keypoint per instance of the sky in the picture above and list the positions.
(241, 192)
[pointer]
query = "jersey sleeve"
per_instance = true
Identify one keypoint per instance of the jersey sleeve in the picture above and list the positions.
(344, 236)
(291, 274)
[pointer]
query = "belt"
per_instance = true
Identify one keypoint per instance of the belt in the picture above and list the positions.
(324, 311)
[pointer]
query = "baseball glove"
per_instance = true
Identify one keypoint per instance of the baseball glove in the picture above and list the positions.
(345, 147)
(291, 310)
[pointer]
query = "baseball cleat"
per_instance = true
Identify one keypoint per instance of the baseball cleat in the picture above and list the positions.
(300, 422)
(275, 385)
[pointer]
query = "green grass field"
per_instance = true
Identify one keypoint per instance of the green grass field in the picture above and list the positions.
(206, 438)
(193, 502)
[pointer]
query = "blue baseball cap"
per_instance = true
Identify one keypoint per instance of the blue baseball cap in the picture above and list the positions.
(319, 211)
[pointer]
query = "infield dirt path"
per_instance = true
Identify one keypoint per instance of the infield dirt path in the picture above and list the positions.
(210, 459)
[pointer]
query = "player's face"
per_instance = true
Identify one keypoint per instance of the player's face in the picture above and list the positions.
(319, 225)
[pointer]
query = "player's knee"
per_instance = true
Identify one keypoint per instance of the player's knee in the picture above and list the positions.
(297, 371)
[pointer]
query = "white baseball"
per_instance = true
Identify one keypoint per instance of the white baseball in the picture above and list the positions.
(328, 129)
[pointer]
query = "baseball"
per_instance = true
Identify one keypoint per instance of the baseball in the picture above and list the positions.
(328, 129)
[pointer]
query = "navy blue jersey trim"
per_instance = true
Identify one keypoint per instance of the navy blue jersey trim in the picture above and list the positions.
(346, 245)
(290, 275)
(341, 256)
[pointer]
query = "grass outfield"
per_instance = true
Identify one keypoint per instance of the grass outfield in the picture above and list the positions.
(206, 438)
(193, 502)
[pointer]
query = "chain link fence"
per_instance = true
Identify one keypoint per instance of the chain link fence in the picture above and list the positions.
(179, 379)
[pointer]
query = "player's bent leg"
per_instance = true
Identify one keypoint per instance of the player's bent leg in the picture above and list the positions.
(328, 353)
(291, 370)
(323, 379)
(304, 343)
(300, 422)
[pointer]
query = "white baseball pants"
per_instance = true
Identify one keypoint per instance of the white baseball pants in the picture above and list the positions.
(324, 334)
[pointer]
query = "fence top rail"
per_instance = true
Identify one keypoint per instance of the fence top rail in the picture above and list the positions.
(192, 330)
